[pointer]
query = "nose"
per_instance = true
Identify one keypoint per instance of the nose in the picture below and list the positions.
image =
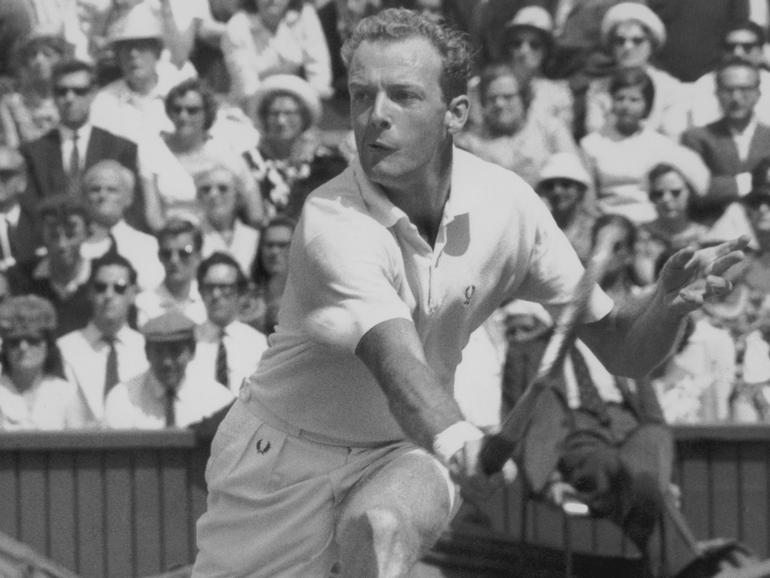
(379, 115)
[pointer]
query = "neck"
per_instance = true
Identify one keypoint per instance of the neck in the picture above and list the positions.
(674, 224)
(186, 143)
(99, 231)
(763, 239)
(143, 85)
(739, 125)
(109, 327)
(224, 224)
(179, 289)
(75, 126)
(63, 272)
(278, 148)
(626, 129)
(564, 218)
(26, 379)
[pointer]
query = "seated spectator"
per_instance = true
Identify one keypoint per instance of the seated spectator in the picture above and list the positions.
(223, 230)
(673, 228)
(28, 112)
(733, 145)
(563, 184)
(263, 38)
(62, 275)
(108, 190)
(268, 275)
(33, 394)
(179, 250)
(227, 350)
(58, 159)
(511, 136)
(192, 110)
(622, 154)
(167, 394)
(631, 33)
(19, 235)
(743, 40)
(695, 383)
(290, 160)
(106, 351)
(621, 277)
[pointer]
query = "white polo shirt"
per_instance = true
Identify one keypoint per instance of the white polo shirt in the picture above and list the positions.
(356, 261)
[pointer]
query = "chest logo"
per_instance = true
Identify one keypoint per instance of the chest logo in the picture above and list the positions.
(469, 291)
(263, 447)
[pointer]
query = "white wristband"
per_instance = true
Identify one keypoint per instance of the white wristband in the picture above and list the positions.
(452, 439)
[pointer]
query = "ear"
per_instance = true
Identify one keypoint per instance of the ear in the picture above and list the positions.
(456, 114)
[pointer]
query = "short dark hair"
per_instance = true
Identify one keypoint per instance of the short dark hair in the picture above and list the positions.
(634, 78)
(731, 61)
(61, 207)
(176, 226)
(71, 66)
(207, 96)
(749, 26)
(395, 24)
(665, 168)
(495, 70)
(258, 273)
(220, 258)
(112, 259)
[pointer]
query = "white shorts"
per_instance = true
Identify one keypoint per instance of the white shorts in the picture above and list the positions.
(274, 498)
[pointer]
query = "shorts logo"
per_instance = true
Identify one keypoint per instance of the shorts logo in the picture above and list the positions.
(469, 291)
(263, 447)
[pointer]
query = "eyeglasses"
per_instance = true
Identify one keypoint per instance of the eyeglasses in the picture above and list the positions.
(744, 46)
(657, 194)
(119, 288)
(226, 289)
(77, 90)
(178, 109)
(533, 44)
(560, 182)
(184, 253)
(279, 113)
(15, 342)
(623, 40)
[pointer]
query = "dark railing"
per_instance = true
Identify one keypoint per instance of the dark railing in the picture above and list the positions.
(125, 503)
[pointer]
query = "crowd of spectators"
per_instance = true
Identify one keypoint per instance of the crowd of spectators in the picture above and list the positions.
(155, 156)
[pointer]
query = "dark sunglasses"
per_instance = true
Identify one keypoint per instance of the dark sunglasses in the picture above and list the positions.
(635, 40)
(14, 342)
(657, 194)
(551, 184)
(228, 289)
(184, 253)
(119, 288)
(219, 187)
(533, 44)
(178, 109)
(745, 46)
(77, 90)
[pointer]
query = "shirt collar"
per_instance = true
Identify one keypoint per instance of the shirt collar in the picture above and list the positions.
(43, 271)
(166, 297)
(749, 130)
(95, 337)
(209, 331)
(13, 215)
(157, 389)
(84, 133)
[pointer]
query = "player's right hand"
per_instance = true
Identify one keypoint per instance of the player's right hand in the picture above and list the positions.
(467, 470)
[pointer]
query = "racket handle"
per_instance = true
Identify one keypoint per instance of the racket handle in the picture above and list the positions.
(496, 451)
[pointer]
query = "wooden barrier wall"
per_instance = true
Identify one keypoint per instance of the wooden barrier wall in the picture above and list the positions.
(115, 504)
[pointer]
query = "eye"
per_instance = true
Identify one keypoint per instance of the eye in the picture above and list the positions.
(403, 96)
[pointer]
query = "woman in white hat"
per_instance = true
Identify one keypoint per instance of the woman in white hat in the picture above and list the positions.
(631, 34)
(290, 159)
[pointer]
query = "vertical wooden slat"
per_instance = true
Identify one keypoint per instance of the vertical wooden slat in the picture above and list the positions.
(9, 493)
(726, 495)
(695, 485)
(62, 515)
(119, 514)
(90, 514)
(147, 484)
(197, 487)
(753, 477)
(174, 507)
(33, 501)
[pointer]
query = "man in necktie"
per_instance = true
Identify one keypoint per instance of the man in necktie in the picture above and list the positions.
(227, 349)
(107, 350)
(168, 394)
(19, 237)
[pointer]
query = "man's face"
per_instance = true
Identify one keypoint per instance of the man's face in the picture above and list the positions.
(669, 194)
(275, 250)
(13, 177)
(137, 59)
(187, 114)
(631, 46)
(63, 238)
(527, 51)
(219, 290)
(216, 194)
(73, 94)
(399, 116)
(744, 43)
(562, 194)
(503, 106)
(106, 196)
(738, 92)
(179, 257)
(168, 361)
(758, 213)
(283, 119)
(112, 294)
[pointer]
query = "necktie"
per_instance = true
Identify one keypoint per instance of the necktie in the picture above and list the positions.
(170, 398)
(73, 171)
(221, 374)
(111, 368)
(589, 396)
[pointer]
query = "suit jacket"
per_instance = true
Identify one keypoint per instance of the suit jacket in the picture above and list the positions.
(716, 146)
(539, 452)
(46, 169)
(25, 235)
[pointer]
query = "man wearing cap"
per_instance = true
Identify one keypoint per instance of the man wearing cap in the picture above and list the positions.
(32, 396)
(19, 235)
(61, 276)
(166, 395)
(106, 351)
(227, 350)
(563, 184)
